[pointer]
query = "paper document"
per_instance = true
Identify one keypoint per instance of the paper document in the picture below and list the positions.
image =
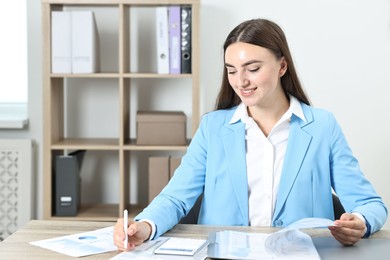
(288, 243)
(311, 223)
(146, 251)
(292, 244)
(82, 244)
(180, 246)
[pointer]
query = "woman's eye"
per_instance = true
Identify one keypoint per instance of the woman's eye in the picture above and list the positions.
(231, 72)
(254, 69)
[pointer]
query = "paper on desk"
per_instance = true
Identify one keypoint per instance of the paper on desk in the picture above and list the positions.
(146, 252)
(310, 223)
(287, 243)
(292, 244)
(82, 244)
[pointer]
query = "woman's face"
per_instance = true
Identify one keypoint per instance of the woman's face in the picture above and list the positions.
(254, 73)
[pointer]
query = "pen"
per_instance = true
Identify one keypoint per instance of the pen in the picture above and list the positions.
(125, 223)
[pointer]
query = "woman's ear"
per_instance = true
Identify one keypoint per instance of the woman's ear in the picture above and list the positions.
(283, 67)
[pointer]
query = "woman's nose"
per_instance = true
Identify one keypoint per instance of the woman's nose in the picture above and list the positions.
(242, 80)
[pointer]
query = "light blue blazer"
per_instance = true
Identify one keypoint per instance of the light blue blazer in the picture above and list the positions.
(317, 159)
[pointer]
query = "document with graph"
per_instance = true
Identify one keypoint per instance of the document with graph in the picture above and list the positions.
(81, 244)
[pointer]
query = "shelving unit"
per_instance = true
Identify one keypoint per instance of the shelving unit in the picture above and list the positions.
(121, 78)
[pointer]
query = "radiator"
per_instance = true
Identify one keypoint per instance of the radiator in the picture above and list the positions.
(16, 193)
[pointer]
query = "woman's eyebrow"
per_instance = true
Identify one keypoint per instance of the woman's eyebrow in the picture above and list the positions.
(244, 64)
(250, 62)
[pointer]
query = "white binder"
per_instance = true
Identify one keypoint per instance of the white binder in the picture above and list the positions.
(162, 40)
(84, 42)
(61, 41)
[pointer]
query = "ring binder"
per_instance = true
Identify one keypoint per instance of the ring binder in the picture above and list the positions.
(186, 39)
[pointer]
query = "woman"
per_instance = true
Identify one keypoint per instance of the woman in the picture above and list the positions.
(264, 157)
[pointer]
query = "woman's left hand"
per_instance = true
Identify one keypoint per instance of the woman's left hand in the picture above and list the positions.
(348, 230)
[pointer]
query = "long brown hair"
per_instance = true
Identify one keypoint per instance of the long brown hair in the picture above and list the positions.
(266, 34)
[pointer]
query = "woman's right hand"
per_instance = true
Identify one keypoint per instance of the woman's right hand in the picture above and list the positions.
(137, 233)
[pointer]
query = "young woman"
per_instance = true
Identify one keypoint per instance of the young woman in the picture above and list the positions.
(264, 157)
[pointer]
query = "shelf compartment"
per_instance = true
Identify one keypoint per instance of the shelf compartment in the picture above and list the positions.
(158, 94)
(140, 37)
(106, 20)
(91, 108)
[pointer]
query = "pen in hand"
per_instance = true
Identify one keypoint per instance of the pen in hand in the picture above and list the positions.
(125, 223)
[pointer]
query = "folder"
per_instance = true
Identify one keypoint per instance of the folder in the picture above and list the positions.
(162, 40)
(186, 39)
(67, 183)
(61, 41)
(84, 42)
(174, 40)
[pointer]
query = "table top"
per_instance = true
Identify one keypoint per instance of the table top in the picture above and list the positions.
(17, 246)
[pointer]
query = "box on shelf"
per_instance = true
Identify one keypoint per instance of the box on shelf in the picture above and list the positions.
(158, 175)
(161, 169)
(161, 128)
(174, 162)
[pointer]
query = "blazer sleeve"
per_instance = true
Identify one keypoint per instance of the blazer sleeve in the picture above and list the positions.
(355, 191)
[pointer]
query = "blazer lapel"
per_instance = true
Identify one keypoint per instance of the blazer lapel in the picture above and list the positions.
(298, 144)
(233, 138)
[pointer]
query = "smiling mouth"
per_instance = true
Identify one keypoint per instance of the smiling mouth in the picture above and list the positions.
(247, 91)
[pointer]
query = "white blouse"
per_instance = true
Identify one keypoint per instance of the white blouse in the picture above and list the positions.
(264, 161)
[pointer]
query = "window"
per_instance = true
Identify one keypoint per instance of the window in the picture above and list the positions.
(13, 63)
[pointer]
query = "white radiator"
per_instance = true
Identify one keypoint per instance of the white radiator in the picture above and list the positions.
(16, 197)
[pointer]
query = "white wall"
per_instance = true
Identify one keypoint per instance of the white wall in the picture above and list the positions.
(341, 50)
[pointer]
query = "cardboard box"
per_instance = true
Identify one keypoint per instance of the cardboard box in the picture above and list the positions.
(174, 162)
(158, 175)
(161, 128)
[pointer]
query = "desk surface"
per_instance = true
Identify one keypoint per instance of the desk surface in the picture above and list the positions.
(17, 245)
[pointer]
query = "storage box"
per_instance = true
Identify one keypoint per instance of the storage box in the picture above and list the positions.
(161, 128)
(158, 175)
(174, 162)
(67, 183)
(161, 169)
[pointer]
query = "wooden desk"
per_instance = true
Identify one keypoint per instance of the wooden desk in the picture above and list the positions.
(17, 245)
